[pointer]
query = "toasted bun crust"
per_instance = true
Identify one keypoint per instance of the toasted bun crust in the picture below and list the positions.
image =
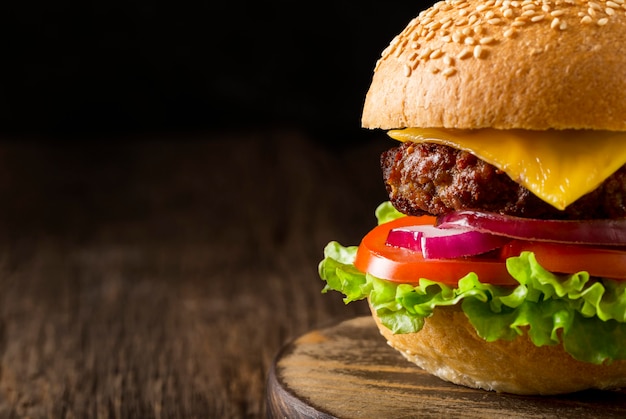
(471, 64)
(449, 348)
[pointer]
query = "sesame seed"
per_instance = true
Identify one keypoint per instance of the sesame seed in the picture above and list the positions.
(612, 4)
(449, 71)
(478, 51)
(555, 23)
(436, 54)
(464, 54)
(433, 26)
(486, 40)
(594, 5)
(602, 22)
(448, 61)
(426, 53)
(494, 21)
(439, 5)
(469, 41)
(563, 25)
(609, 11)
(537, 18)
(557, 13)
(461, 22)
(508, 13)
(509, 33)
(407, 70)
(586, 19)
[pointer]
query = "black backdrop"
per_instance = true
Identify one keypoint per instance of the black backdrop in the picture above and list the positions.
(91, 68)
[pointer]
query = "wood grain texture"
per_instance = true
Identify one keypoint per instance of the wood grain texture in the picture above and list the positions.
(157, 277)
(347, 371)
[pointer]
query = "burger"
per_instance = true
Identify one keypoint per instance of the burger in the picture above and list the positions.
(499, 260)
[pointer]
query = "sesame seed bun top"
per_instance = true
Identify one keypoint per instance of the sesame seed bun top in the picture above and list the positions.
(505, 64)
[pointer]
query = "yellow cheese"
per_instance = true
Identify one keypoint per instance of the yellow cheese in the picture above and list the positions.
(557, 166)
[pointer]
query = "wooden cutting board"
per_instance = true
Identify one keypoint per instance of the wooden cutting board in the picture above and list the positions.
(347, 371)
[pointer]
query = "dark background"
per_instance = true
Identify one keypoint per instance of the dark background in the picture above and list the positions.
(169, 177)
(88, 69)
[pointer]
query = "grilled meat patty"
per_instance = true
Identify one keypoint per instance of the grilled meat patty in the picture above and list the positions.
(425, 178)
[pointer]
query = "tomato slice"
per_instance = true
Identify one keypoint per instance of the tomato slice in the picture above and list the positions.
(564, 258)
(406, 266)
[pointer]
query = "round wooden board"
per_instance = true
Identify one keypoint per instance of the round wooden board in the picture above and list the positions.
(347, 371)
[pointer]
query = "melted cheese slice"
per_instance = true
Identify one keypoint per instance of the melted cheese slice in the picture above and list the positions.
(557, 166)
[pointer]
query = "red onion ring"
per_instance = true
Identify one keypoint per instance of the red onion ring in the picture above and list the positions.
(611, 232)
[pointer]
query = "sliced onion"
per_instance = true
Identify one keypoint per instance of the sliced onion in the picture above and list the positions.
(437, 243)
(409, 237)
(594, 232)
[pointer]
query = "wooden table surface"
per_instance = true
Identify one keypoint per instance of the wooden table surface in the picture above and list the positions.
(159, 275)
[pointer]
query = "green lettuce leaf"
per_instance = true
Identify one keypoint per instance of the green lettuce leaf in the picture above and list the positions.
(386, 212)
(586, 315)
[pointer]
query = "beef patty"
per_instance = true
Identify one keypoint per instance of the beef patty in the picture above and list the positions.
(425, 178)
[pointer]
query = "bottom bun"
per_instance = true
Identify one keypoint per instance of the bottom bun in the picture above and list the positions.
(449, 348)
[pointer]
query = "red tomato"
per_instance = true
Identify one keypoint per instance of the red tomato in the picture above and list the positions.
(557, 257)
(407, 266)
